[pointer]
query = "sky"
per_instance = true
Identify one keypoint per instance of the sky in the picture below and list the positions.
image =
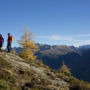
(54, 22)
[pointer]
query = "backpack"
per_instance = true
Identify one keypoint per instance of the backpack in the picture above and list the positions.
(1, 40)
(11, 38)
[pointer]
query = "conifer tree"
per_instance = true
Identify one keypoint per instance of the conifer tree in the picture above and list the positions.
(64, 68)
(28, 46)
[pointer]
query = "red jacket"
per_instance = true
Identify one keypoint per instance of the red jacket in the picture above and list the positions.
(9, 38)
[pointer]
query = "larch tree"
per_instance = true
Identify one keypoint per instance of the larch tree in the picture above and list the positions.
(64, 68)
(28, 46)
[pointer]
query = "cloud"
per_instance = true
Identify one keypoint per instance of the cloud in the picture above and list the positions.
(60, 37)
(68, 40)
(55, 37)
(83, 35)
(81, 42)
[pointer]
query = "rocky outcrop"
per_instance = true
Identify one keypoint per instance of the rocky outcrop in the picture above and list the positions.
(40, 72)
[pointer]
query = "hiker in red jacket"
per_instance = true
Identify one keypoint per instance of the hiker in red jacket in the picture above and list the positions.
(1, 41)
(9, 42)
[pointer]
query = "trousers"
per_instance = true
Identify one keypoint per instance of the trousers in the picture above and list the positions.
(9, 46)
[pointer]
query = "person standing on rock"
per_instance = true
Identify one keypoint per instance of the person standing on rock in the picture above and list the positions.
(9, 42)
(1, 41)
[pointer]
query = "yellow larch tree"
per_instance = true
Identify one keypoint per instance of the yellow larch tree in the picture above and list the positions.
(28, 46)
(64, 68)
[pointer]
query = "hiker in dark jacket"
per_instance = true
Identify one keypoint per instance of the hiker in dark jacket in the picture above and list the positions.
(9, 42)
(1, 41)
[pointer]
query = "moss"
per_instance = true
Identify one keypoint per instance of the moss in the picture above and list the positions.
(4, 85)
(4, 63)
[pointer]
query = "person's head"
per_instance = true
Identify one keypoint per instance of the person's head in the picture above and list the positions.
(8, 34)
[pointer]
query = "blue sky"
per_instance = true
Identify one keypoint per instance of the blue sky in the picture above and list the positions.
(55, 22)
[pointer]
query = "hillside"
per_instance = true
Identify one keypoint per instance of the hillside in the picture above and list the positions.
(16, 74)
(78, 59)
(24, 75)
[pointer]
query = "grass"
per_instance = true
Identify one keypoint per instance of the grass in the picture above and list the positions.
(4, 63)
(12, 78)
(75, 84)
(4, 85)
